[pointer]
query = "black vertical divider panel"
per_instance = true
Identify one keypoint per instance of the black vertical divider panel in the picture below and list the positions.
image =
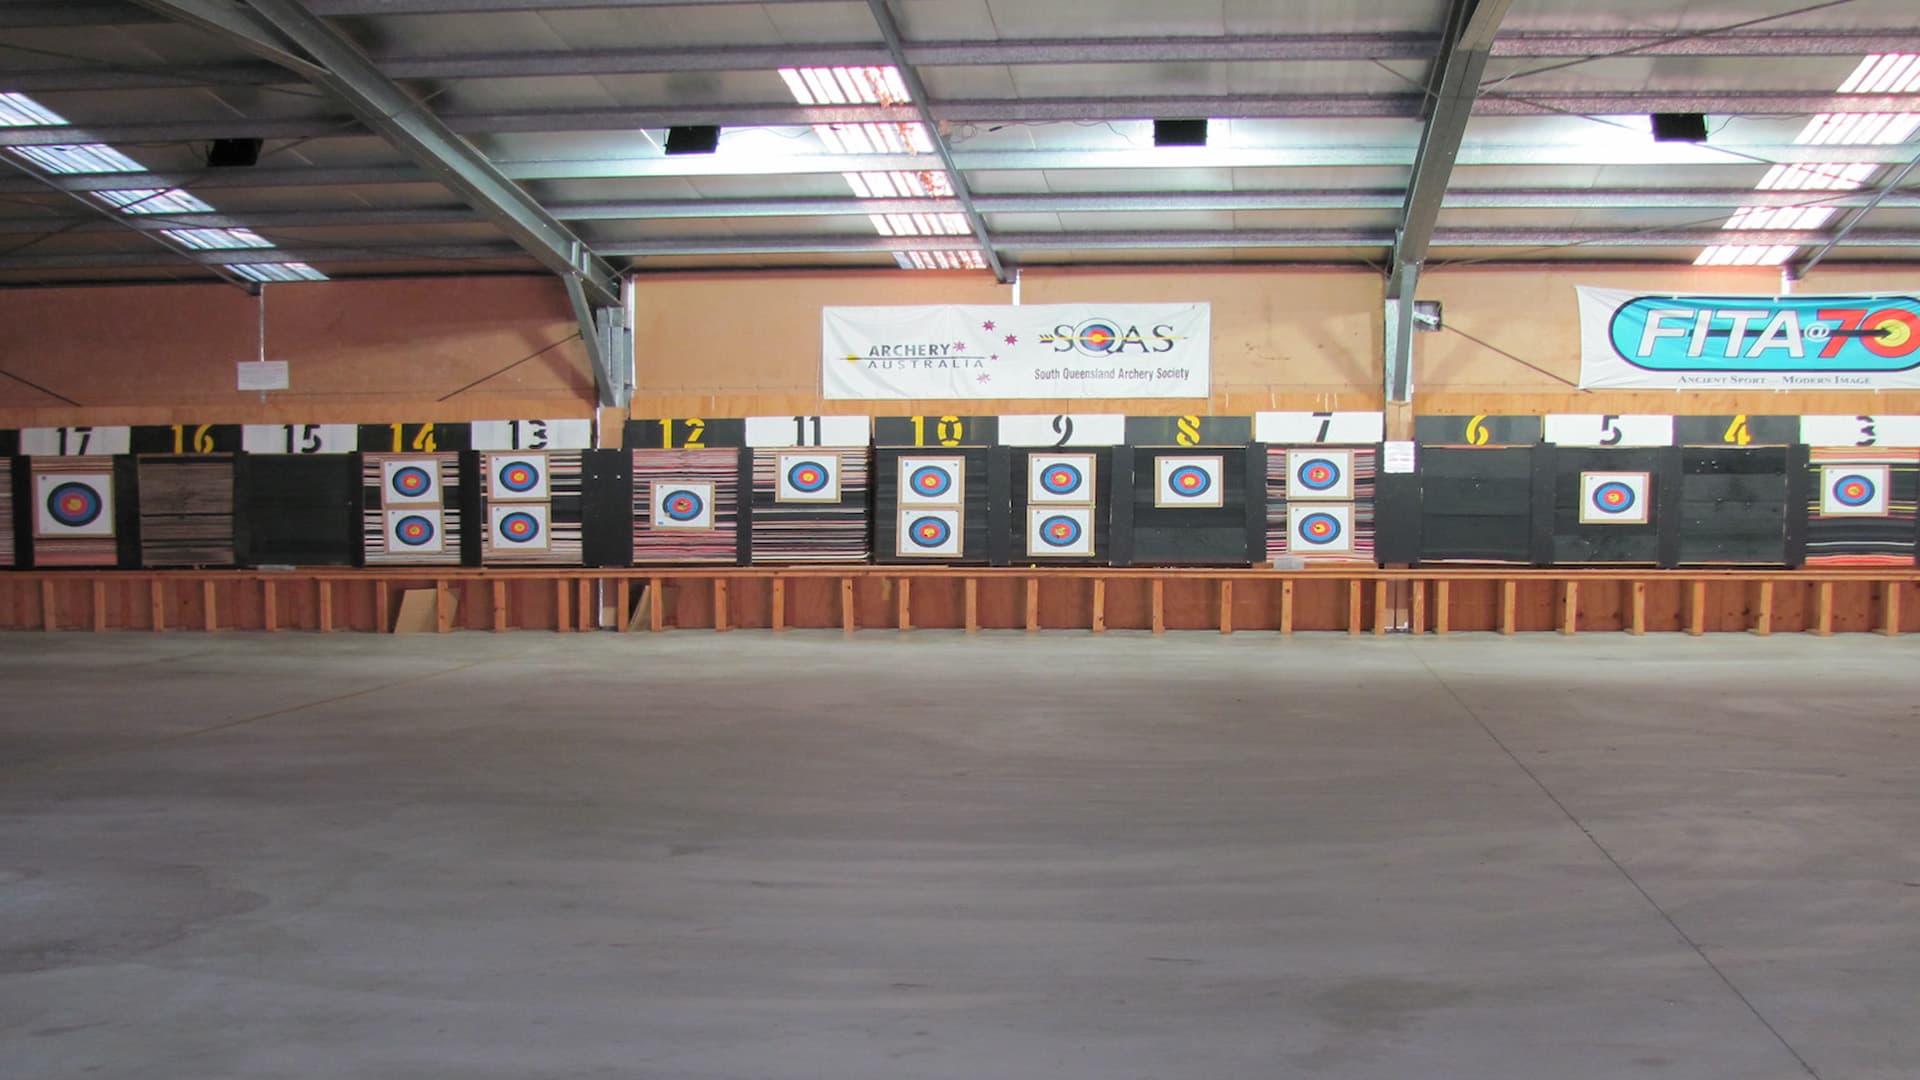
(1256, 506)
(606, 490)
(358, 504)
(126, 512)
(1668, 487)
(1000, 523)
(1396, 518)
(1545, 465)
(1799, 495)
(296, 510)
(1120, 503)
(473, 509)
(22, 514)
(743, 536)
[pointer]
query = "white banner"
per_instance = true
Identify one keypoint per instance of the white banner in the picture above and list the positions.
(1634, 339)
(950, 352)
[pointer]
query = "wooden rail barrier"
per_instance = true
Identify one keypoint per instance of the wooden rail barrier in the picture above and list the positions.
(1357, 601)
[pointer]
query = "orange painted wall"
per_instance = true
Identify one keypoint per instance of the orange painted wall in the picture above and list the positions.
(373, 351)
(745, 344)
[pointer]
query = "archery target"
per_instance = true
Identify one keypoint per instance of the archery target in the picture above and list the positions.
(1321, 529)
(1853, 490)
(682, 505)
(932, 481)
(410, 480)
(1060, 478)
(1060, 531)
(517, 528)
(73, 504)
(512, 477)
(1319, 474)
(810, 477)
(1187, 482)
(416, 532)
(1613, 498)
(930, 532)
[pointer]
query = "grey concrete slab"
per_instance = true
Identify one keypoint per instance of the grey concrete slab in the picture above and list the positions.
(925, 855)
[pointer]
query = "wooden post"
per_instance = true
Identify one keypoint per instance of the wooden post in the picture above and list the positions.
(720, 605)
(209, 606)
(442, 611)
(906, 604)
(779, 604)
(1823, 609)
(622, 597)
(1569, 607)
(973, 605)
(269, 607)
(1509, 596)
(656, 606)
(1286, 606)
(381, 615)
(1763, 618)
(1417, 621)
(1890, 609)
(1099, 624)
(1033, 605)
(1353, 608)
(499, 606)
(1637, 623)
(1159, 606)
(1226, 605)
(325, 588)
(99, 608)
(48, 621)
(846, 605)
(561, 621)
(1442, 611)
(1380, 608)
(157, 598)
(1697, 608)
(583, 605)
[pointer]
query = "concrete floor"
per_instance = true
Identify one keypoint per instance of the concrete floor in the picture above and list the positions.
(700, 856)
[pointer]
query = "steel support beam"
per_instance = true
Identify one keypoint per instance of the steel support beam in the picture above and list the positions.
(910, 77)
(1882, 196)
(1454, 88)
(609, 342)
(277, 30)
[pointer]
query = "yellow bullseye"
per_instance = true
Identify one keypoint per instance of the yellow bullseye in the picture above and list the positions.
(1894, 333)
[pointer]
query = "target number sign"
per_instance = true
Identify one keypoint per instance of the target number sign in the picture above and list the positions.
(1853, 490)
(1319, 427)
(682, 504)
(1892, 431)
(1184, 482)
(1614, 498)
(1609, 429)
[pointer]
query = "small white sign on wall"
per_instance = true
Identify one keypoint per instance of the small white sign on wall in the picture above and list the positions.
(262, 375)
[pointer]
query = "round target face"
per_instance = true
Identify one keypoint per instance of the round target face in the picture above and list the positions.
(1060, 531)
(1854, 489)
(1061, 478)
(1613, 497)
(414, 531)
(807, 476)
(520, 527)
(73, 505)
(682, 505)
(412, 481)
(929, 532)
(1318, 474)
(1320, 528)
(1096, 337)
(930, 481)
(520, 476)
(1189, 480)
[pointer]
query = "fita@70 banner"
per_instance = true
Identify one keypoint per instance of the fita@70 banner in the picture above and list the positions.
(1861, 342)
(943, 352)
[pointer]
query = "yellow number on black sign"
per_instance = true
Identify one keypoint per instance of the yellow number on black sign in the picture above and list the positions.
(1737, 432)
(696, 434)
(1188, 431)
(1477, 434)
(202, 439)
